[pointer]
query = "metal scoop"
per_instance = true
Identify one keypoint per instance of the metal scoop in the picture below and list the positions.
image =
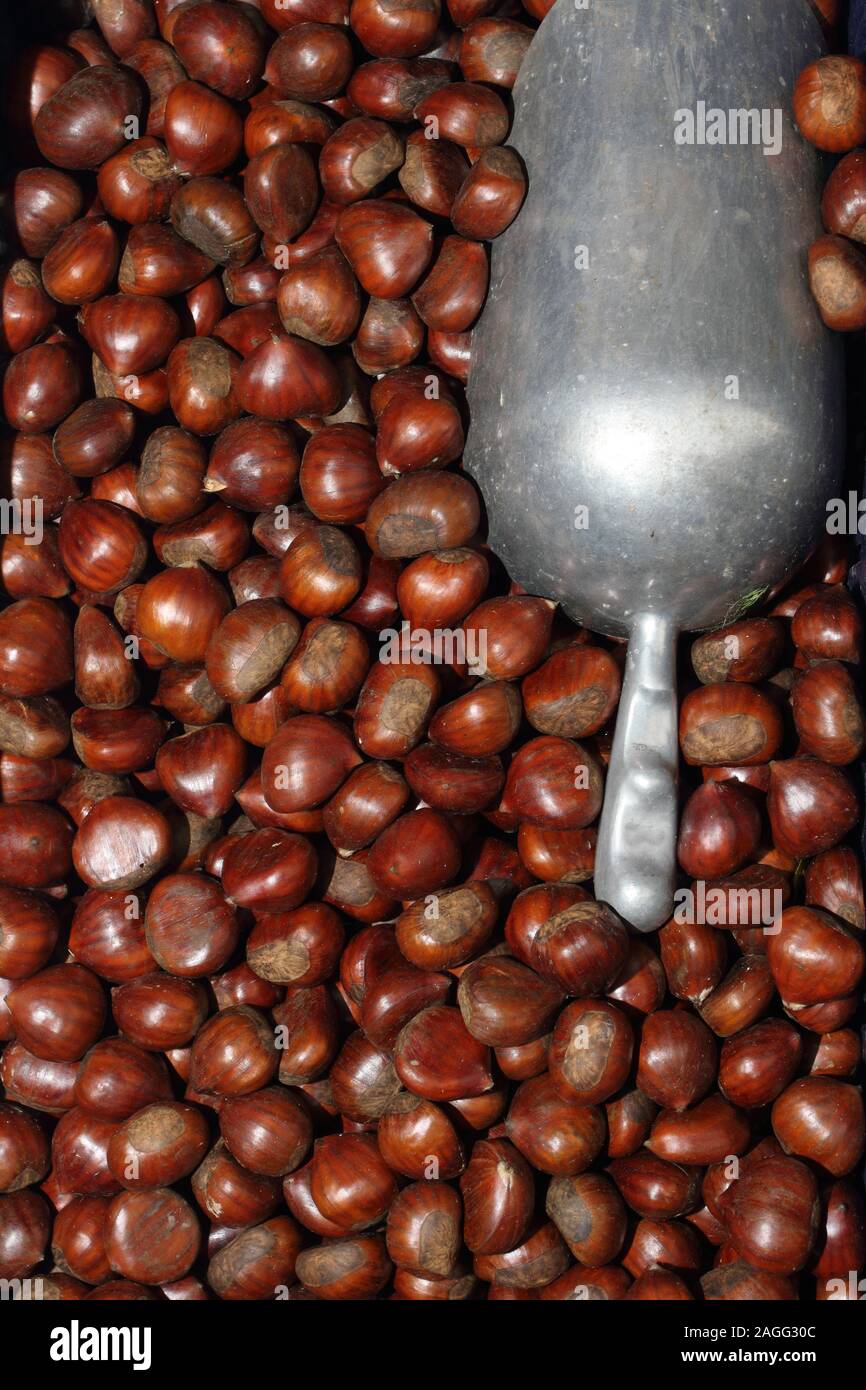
(656, 406)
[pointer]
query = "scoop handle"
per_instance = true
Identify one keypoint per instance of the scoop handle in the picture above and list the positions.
(635, 864)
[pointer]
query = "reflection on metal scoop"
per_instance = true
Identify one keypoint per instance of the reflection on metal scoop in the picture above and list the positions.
(656, 406)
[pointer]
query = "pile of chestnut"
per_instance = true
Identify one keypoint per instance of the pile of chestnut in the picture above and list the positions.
(830, 111)
(304, 992)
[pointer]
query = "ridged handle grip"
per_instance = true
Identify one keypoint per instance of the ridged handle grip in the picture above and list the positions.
(635, 865)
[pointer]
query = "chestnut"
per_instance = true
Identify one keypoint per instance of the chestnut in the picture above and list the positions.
(387, 245)
(228, 1193)
(837, 279)
(202, 770)
(213, 216)
(556, 1135)
(257, 1261)
(590, 1051)
(729, 723)
(190, 928)
(179, 610)
(756, 1065)
(25, 1228)
(830, 103)
(319, 299)
(285, 377)
(44, 202)
(158, 1145)
(157, 261)
(86, 120)
(116, 1078)
(437, 1058)
(35, 845)
(392, 87)
(720, 829)
(42, 385)
(821, 1119)
(159, 1012)
(101, 546)
(390, 336)
(553, 782)
(423, 1232)
(27, 309)
(395, 34)
(310, 62)
(467, 113)
(29, 929)
(131, 334)
(249, 648)
(268, 1132)
(590, 1216)
(677, 1059)
(281, 190)
(655, 1188)
(58, 1012)
(540, 1259)
(490, 195)
(78, 1239)
(203, 131)
(814, 957)
(234, 1053)
(771, 1213)
(276, 122)
(356, 1267)
(827, 626)
(220, 45)
(834, 881)
(709, 1132)
(24, 1151)
(422, 511)
(811, 805)
(151, 1236)
(581, 949)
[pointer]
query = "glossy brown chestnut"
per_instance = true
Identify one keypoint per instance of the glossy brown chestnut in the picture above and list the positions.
(812, 806)
(257, 1261)
(467, 113)
(58, 1012)
(837, 279)
(152, 1235)
(159, 1012)
(830, 103)
(590, 1051)
(116, 1078)
(311, 62)
(821, 1120)
(234, 1053)
(158, 1145)
(228, 1193)
(827, 626)
(556, 1135)
(677, 1059)
(834, 881)
(35, 845)
(553, 782)
(212, 215)
(86, 120)
(771, 1213)
(29, 929)
(219, 45)
(757, 1064)
(356, 1268)
(41, 386)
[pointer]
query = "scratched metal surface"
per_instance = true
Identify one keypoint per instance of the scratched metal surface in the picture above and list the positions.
(605, 387)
